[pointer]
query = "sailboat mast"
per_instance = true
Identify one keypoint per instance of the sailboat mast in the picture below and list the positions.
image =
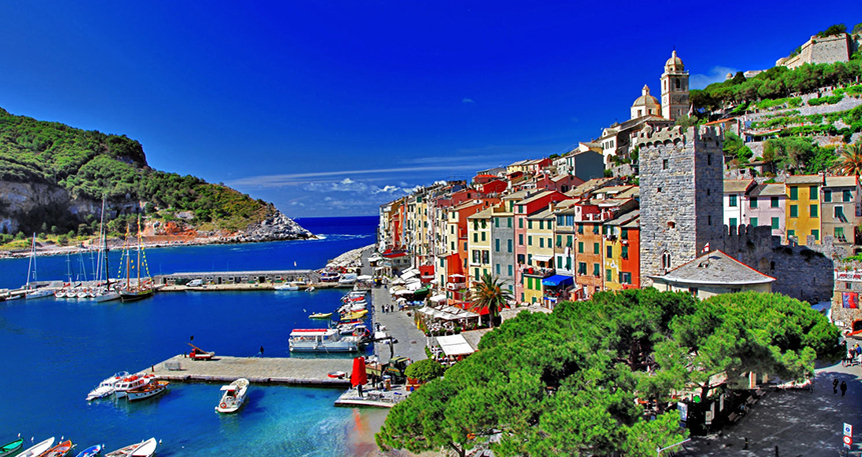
(32, 260)
(128, 258)
(105, 244)
(140, 240)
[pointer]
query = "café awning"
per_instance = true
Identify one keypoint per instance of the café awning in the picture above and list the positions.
(542, 258)
(454, 345)
(557, 280)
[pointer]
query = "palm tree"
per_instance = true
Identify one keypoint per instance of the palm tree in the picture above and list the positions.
(850, 160)
(490, 292)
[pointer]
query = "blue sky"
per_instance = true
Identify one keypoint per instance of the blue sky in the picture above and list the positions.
(332, 108)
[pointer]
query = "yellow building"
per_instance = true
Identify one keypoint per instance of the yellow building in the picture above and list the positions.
(540, 254)
(479, 244)
(803, 208)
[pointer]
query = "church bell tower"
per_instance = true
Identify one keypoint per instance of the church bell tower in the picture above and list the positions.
(674, 89)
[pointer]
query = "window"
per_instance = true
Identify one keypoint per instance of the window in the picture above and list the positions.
(559, 262)
(752, 203)
(541, 242)
(520, 239)
(497, 269)
(597, 270)
(813, 210)
(509, 222)
(827, 195)
(775, 223)
(542, 225)
(559, 240)
(610, 251)
(483, 236)
(497, 245)
(582, 268)
(569, 241)
(580, 247)
(484, 223)
(708, 219)
(510, 270)
(839, 234)
(624, 234)
(475, 237)
(568, 263)
(609, 275)
(476, 273)
(816, 234)
(596, 248)
(754, 221)
(709, 159)
(529, 225)
(509, 245)
(625, 252)
(839, 213)
(665, 260)
(520, 223)
(791, 233)
(496, 222)
(581, 229)
(812, 192)
(664, 164)
(773, 202)
(625, 277)
(732, 222)
(453, 246)
(794, 211)
(847, 196)
(529, 240)
(794, 193)
(732, 201)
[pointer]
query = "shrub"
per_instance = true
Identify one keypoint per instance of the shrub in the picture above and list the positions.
(424, 370)
(830, 100)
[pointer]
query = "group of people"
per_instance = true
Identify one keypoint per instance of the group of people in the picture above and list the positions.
(854, 356)
(835, 386)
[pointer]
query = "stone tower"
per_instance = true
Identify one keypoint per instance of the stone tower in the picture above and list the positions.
(681, 191)
(674, 89)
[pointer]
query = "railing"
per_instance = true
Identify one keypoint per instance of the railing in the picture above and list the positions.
(537, 271)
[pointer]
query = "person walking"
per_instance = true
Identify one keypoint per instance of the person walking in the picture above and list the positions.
(843, 387)
(835, 385)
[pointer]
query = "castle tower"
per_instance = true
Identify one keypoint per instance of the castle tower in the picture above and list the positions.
(681, 189)
(674, 89)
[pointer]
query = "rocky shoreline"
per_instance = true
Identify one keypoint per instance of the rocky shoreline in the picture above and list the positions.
(350, 258)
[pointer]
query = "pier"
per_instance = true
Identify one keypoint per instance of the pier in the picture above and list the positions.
(258, 370)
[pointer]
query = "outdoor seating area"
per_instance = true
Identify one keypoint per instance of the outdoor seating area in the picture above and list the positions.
(444, 319)
(450, 349)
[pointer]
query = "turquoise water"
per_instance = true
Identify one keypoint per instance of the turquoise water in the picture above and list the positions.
(55, 351)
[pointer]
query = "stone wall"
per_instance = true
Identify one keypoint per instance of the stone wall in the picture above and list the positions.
(681, 186)
(831, 49)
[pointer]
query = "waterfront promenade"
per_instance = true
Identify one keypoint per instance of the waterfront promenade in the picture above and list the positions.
(258, 370)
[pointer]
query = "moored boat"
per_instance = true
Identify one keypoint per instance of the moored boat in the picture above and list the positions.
(329, 276)
(287, 286)
(132, 382)
(37, 449)
(107, 386)
(59, 450)
(320, 316)
(354, 315)
(233, 397)
(146, 449)
(91, 451)
(124, 451)
(12, 447)
(151, 389)
(322, 340)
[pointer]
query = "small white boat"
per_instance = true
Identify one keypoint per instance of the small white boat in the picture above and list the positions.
(107, 386)
(322, 340)
(233, 397)
(103, 295)
(287, 286)
(132, 382)
(60, 293)
(125, 451)
(145, 449)
(38, 449)
(310, 289)
(151, 389)
(38, 293)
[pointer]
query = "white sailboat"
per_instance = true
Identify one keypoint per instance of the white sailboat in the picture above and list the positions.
(32, 292)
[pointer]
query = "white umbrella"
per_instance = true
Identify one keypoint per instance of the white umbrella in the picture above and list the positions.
(438, 298)
(364, 277)
(403, 292)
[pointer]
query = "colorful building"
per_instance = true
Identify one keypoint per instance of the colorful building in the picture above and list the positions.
(803, 208)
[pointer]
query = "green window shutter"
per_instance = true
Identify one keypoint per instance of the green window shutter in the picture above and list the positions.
(812, 193)
(529, 225)
(794, 193)
(847, 197)
(753, 203)
(625, 252)
(541, 242)
(827, 195)
(794, 211)
(839, 233)
(754, 221)
(773, 202)
(816, 234)
(559, 240)
(610, 251)
(775, 222)
(497, 245)
(529, 240)
(580, 247)
(791, 233)
(510, 269)
(596, 248)
(732, 199)
(813, 210)
(732, 222)
(569, 241)
(596, 269)
(608, 275)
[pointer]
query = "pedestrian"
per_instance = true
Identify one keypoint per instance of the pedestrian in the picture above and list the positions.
(843, 387)
(261, 351)
(835, 385)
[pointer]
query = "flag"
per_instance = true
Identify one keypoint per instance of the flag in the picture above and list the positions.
(850, 300)
(705, 248)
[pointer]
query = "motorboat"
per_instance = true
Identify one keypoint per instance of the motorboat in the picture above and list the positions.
(103, 295)
(59, 450)
(132, 382)
(287, 286)
(12, 447)
(146, 449)
(329, 276)
(107, 386)
(37, 449)
(347, 328)
(320, 316)
(91, 451)
(151, 389)
(38, 293)
(347, 279)
(354, 315)
(233, 397)
(322, 340)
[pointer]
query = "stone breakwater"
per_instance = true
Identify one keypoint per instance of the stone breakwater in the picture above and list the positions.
(350, 258)
(277, 227)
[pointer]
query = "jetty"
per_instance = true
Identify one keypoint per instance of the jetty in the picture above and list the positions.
(258, 370)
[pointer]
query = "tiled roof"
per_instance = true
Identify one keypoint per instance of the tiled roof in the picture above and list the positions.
(768, 190)
(840, 181)
(716, 268)
(804, 179)
(737, 185)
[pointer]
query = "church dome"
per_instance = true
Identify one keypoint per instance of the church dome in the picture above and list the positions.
(645, 104)
(674, 64)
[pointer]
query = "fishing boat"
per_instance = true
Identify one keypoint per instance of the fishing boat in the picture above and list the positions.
(91, 451)
(146, 449)
(107, 386)
(151, 389)
(125, 451)
(233, 397)
(322, 340)
(12, 447)
(329, 276)
(37, 449)
(320, 316)
(141, 288)
(199, 354)
(59, 450)
(132, 382)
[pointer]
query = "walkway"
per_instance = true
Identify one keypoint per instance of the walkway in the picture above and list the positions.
(260, 370)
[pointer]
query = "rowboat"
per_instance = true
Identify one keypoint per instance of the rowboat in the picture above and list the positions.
(37, 449)
(59, 450)
(146, 449)
(151, 389)
(320, 316)
(233, 397)
(124, 451)
(11, 448)
(91, 451)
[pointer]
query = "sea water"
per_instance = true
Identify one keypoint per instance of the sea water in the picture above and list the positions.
(55, 351)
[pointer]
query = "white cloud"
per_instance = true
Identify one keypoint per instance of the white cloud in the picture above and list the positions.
(716, 75)
(293, 179)
(387, 189)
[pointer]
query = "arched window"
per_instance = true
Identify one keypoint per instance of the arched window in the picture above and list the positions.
(676, 83)
(665, 260)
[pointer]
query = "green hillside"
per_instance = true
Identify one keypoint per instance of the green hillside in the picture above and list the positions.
(90, 164)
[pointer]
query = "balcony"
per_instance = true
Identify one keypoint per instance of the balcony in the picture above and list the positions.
(537, 272)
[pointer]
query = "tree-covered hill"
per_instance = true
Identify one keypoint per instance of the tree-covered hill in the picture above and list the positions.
(65, 173)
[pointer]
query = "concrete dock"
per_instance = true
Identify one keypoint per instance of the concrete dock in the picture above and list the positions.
(258, 370)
